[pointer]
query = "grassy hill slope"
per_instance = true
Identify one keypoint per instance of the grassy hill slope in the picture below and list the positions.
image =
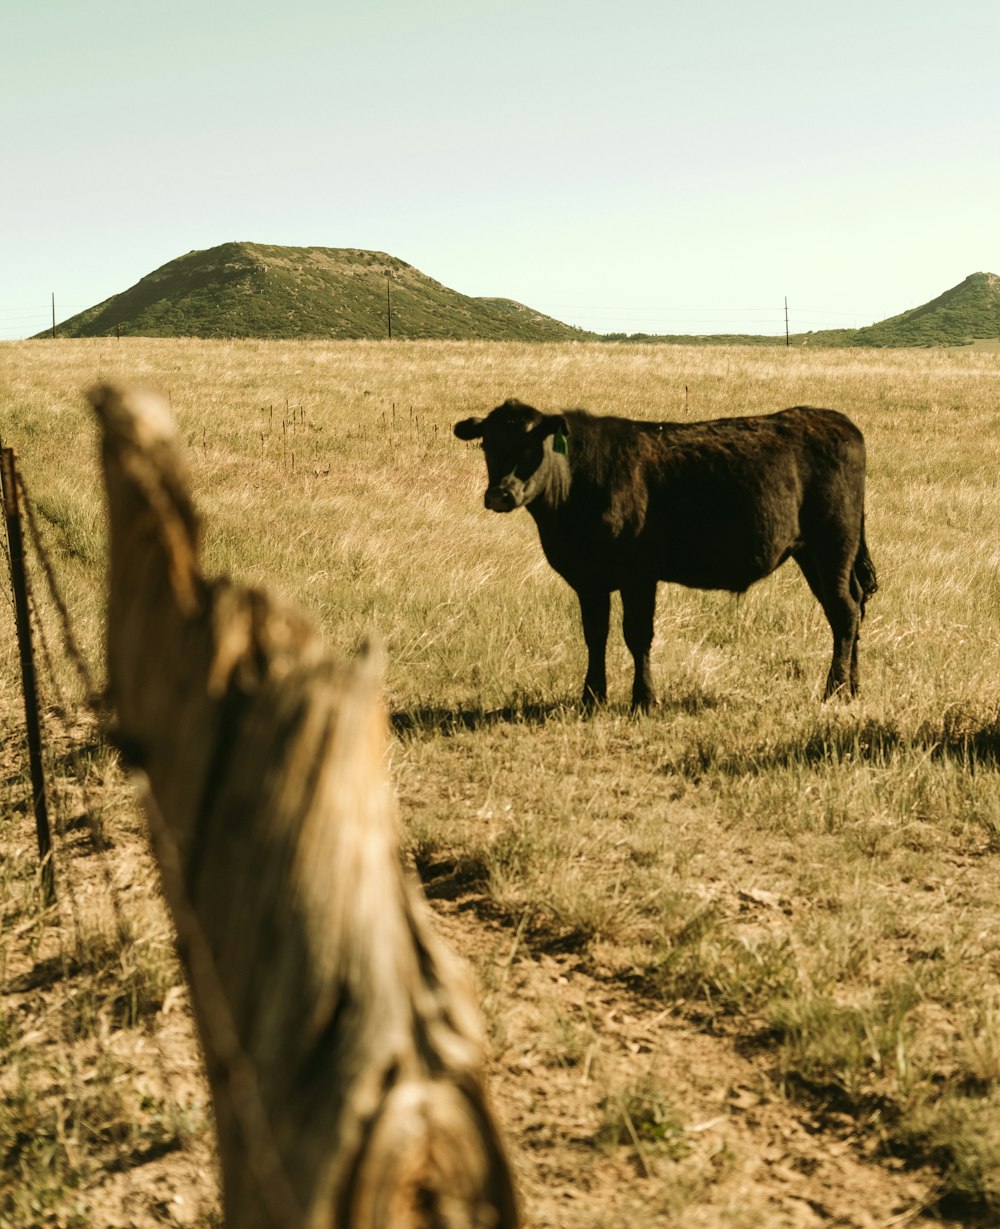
(967, 312)
(258, 290)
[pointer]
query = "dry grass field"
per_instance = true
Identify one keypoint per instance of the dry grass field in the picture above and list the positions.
(739, 960)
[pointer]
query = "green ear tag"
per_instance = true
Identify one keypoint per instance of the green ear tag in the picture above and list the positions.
(560, 443)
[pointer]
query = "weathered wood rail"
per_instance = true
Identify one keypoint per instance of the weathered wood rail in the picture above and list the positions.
(341, 1040)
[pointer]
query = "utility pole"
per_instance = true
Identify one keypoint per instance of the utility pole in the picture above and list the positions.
(388, 304)
(787, 341)
(53, 315)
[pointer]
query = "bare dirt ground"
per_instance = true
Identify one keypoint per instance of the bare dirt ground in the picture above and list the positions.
(730, 1150)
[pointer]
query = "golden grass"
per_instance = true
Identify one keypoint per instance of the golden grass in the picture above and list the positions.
(826, 876)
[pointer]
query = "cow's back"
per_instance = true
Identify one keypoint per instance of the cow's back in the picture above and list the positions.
(715, 504)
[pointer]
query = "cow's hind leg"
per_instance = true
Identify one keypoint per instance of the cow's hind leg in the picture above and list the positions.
(595, 611)
(833, 588)
(859, 596)
(638, 610)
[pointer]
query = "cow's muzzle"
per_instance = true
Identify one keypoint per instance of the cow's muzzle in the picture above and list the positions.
(501, 499)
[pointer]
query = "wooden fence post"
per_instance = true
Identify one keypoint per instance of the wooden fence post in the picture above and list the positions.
(22, 614)
(341, 1040)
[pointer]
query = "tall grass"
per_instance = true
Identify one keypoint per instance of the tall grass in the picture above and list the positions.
(748, 856)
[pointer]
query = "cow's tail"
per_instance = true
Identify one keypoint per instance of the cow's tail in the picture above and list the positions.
(863, 574)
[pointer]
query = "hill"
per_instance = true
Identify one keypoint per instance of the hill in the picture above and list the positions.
(967, 312)
(260, 290)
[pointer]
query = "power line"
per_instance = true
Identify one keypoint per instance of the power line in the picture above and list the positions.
(647, 308)
(41, 307)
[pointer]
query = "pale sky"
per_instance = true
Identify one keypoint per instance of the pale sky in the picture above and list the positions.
(649, 166)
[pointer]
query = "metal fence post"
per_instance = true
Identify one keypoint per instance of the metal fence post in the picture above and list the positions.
(15, 542)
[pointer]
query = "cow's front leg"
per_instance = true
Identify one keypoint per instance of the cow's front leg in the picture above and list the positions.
(638, 609)
(595, 610)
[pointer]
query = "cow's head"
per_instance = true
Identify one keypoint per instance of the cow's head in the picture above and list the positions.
(514, 439)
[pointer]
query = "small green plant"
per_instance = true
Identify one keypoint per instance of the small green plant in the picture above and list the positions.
(642, 1118)
(859, 1049)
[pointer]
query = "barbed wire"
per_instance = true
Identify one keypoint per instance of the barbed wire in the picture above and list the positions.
(65, 899)
(95, 700)
(57, 714)
(221, 1034)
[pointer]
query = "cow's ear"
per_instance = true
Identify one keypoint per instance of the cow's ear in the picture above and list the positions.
(553, 424)
(469, 429)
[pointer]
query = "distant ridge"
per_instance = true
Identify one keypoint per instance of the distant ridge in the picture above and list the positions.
(967, 312)
(265, 291)
(259, 290)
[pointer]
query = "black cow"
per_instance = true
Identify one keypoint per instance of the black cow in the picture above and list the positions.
(623, 504)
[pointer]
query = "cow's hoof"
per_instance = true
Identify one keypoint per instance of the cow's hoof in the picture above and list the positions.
(642, 706)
